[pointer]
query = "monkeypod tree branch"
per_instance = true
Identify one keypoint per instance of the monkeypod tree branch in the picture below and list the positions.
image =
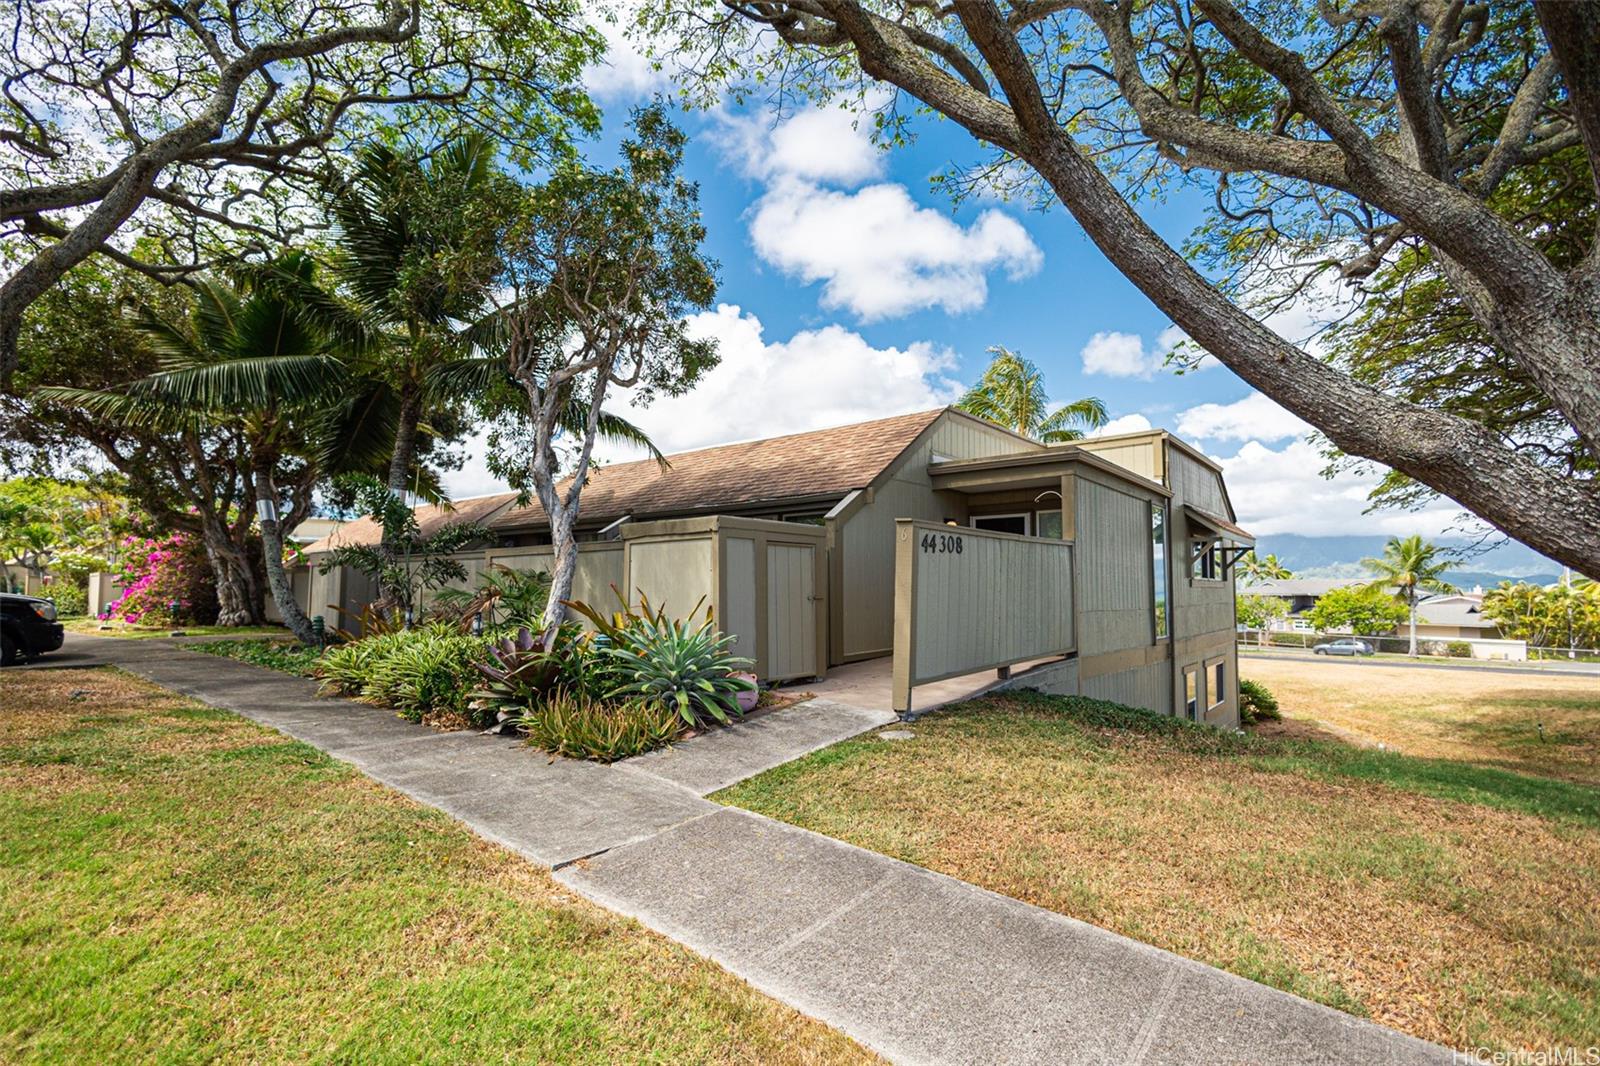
(161, 132)
(1369, 128)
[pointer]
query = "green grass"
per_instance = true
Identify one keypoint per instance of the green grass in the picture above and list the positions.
(1450, 900)
(287, 656)
(178, 885)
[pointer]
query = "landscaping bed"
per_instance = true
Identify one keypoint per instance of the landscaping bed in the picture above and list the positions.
(179, 884)
(1451, 901)
(634, 681)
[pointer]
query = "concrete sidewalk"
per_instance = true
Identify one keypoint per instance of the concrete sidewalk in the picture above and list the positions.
(915, 965)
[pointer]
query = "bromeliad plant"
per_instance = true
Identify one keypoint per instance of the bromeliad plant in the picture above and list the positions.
(687, 668)
(517, 672)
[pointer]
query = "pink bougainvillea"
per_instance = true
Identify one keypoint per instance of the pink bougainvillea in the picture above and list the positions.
(166, 581)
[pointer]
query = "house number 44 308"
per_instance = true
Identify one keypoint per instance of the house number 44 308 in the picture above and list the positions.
(941, 543)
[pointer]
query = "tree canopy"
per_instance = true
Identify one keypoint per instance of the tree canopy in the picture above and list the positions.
(206, 127)
(1333, 139)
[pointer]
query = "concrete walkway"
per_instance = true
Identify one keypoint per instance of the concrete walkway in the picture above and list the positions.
(915, 965)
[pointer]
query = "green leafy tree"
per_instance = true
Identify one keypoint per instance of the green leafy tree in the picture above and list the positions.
(269, 368)
(60, 529)
(1564, 615)
(1410, 566)
(1256, 569)
(206, 127)
(1362, 609)
(83, 335)
(1259, 612)
(1011, 393)
(602, 266)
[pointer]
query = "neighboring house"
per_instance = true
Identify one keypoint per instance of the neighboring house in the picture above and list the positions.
(800, 543)
(1300, 593)
(1455, 616)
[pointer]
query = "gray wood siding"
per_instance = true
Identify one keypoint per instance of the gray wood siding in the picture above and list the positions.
(1195, 483)
(1203, 611)
(1149, 687)
(1114, 567)
(972, 600)
(739, 591)
(864, 612)
(791, 610)
(1139, 456)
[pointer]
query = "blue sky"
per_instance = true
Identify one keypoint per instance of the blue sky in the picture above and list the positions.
(850, 289)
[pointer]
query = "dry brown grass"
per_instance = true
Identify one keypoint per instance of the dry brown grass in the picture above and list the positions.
(1458, 923)
(1464, 713)
(180, 884)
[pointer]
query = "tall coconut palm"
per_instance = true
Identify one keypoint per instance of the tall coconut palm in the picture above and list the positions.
(1410, 566)
(1256, 568)
(1011, 392)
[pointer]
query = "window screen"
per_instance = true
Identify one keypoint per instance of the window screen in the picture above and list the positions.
(1158, 556)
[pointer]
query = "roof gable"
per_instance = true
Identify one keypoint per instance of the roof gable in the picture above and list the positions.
(797, 466)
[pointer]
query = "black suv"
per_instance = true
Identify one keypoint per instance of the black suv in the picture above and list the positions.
(28, 627)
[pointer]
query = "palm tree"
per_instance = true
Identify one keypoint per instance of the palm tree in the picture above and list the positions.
(1262, 568)
(1410, 566)
(1011, 392)
(274, 372)
(415, 250)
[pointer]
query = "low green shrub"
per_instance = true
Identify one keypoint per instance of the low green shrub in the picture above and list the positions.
(285, 656)
(581, 727)
(517, 672)
(428, 673)
(1459, 649)
(346, 668)
(71, 599)
(1256, 703)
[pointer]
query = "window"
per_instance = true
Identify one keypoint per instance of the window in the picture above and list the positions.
(1002, 523)
(1219, 682)
(1191, 693)
(1048, 524)
(1158, 556)
(1207, 562)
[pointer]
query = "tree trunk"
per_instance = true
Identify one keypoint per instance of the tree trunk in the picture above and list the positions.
(229, 570)
(1413, 605)
(566, 568)
(272, 554)
(400, 459)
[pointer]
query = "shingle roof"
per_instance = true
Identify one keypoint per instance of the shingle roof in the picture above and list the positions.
(430, 519)
(823, 462)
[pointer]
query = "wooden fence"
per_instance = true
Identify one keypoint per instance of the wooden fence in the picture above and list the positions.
(968, 600)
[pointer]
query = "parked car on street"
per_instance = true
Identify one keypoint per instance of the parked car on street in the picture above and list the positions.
(28, 628)
(1345, 646)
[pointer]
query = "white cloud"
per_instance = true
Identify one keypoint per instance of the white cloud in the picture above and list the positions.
(1253, 418)
(1283, 491)
(823, 144)
(1134, 423)
(817, 378)
(1125, 355)
(880, 255)
(624, 72)
(821, 377)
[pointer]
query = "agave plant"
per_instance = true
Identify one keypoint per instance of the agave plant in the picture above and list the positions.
(686, 668)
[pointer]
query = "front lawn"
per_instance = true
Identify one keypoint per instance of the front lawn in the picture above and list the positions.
(1451, 901)
(1543, 724)
(178, 884)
